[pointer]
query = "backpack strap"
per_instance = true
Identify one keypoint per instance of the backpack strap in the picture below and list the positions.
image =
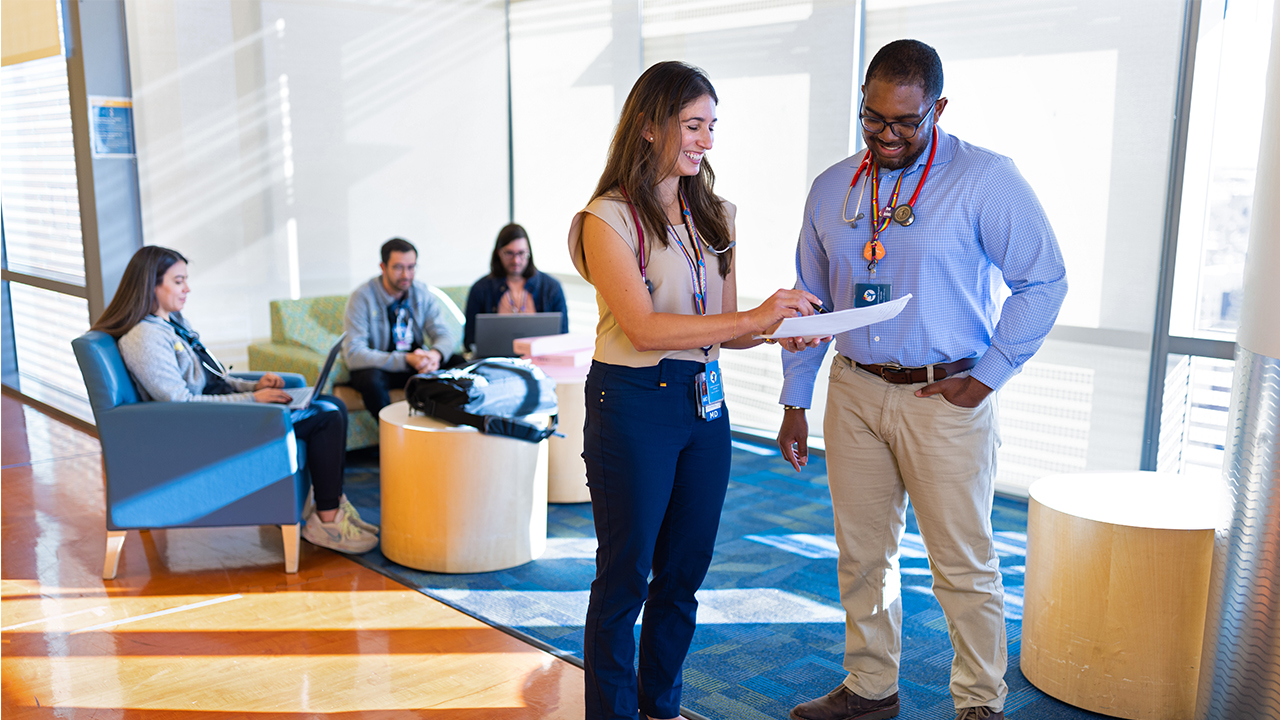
(498, 425)
(495, 424)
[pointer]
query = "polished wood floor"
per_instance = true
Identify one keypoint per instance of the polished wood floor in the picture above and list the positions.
(204, 623)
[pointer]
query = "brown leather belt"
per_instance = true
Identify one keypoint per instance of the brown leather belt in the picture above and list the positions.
(905, 376)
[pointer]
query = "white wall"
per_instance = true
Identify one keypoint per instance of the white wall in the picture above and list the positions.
(281, 143)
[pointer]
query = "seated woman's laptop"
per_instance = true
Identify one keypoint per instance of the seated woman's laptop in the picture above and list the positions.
(303, 396)
(496, 333)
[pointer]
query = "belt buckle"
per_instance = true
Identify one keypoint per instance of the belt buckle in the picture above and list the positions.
(902, 373)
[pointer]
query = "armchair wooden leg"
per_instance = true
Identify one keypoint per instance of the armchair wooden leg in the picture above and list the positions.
(115, 542)
(291, 534)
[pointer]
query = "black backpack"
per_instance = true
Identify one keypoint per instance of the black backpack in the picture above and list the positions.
(490, 395)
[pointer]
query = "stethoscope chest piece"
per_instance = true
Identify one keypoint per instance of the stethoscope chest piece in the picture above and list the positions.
(904, 215)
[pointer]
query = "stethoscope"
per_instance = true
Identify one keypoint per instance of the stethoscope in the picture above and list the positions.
(904, 214)
(857, 211)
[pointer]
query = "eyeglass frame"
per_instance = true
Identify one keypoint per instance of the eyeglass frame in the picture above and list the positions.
(915, 127)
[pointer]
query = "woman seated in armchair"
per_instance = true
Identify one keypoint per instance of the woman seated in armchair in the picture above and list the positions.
(168, 363)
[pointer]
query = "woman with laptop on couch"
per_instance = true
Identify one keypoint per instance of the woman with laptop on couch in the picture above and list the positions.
(169, 363)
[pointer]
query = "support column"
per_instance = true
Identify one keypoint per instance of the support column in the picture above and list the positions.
(1240, 661)
(110, 214)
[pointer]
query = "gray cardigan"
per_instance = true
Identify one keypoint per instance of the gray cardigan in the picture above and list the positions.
(369, 331)
(164, 367)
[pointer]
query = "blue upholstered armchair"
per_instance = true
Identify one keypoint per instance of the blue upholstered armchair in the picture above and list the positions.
(194, 464)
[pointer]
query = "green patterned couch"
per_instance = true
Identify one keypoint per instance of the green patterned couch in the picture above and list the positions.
(302, 331)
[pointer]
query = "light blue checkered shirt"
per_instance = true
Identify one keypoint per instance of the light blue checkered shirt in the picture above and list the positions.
(977, 223)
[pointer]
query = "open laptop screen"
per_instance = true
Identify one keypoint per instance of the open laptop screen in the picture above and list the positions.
(497, 333)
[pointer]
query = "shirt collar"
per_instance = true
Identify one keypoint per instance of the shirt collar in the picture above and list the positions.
(946, 149)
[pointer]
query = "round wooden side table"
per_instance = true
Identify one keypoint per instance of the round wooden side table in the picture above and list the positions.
(455, 500)
(567, 472)
(1117, 586)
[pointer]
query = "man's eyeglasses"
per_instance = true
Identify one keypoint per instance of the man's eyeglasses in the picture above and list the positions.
(904, 130)
(514, 254)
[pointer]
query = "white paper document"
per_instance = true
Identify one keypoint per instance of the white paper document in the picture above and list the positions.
(816, 326)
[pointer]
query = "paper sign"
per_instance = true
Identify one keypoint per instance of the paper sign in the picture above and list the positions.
(817, 326)
(111, 126)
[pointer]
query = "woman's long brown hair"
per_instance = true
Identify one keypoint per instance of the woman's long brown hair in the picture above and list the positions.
(635, 166)
(136, 297)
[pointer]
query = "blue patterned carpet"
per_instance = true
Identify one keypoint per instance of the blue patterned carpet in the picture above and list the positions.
(770, 628)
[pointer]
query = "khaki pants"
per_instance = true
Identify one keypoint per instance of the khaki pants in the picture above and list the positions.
(883, 444)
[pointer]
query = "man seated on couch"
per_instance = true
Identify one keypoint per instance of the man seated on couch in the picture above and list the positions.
(395, 328)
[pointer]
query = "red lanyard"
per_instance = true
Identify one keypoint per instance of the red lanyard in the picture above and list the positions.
(635, 218)
(904, 214)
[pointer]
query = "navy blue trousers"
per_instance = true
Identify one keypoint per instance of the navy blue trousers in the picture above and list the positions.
(657, 474)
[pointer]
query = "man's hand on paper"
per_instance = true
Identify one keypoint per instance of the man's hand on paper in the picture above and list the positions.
(798, 343)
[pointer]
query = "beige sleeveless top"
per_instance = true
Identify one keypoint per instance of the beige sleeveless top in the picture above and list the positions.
(667, 268)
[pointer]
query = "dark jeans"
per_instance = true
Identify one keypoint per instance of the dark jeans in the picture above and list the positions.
(323, 427)
(657, 475)
(375, 387)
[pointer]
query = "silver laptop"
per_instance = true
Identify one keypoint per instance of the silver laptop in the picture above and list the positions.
(303, 396)
(496, 333)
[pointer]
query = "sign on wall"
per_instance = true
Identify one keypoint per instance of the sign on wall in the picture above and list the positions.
(111, 126)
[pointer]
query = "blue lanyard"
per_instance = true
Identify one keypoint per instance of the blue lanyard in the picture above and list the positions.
(697, 263)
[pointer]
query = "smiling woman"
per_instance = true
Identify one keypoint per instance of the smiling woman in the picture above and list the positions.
(656, 440)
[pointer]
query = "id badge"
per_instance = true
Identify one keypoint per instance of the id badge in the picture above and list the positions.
(710, 392)
(867, 294)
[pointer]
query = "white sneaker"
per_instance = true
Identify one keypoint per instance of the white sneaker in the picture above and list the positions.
(345, 505)
(341, 534)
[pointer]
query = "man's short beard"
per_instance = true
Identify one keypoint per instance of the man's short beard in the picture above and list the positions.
(907, 161)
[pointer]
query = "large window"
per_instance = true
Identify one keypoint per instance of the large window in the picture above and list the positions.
(1217, 197)
(44, 267)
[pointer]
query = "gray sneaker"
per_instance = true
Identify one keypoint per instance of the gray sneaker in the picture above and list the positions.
(345, 505)
(341, 534)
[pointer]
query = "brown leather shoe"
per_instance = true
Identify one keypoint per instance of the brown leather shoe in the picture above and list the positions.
(978, 713)
(843, 704)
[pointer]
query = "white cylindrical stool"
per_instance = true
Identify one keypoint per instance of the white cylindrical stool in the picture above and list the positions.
(567, 473)
(455, 500)
(1117, 584)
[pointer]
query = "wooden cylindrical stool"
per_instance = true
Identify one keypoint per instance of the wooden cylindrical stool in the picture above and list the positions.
(567, 473)
(455, 500)
(1117, 584)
